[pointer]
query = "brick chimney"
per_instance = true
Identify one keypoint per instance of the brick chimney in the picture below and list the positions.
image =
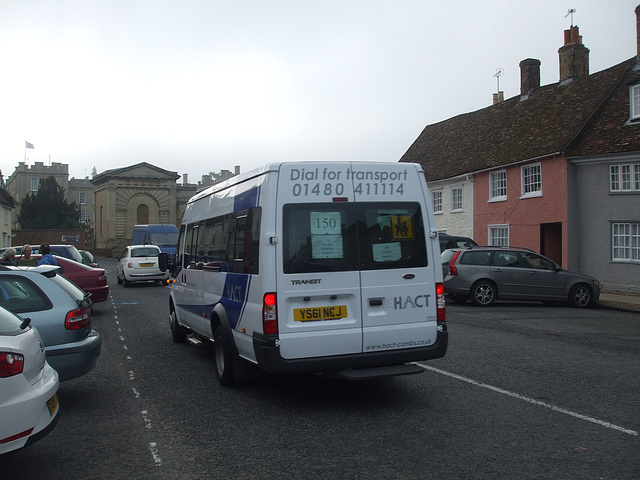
(529, 76)
(574, 56)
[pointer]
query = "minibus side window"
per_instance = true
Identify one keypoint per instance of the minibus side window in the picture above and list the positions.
(191, 245)
(212, 246)
(179, 252)
(243, 235)
(227, 243)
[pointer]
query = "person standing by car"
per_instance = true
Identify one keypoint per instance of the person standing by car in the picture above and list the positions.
(26, 260)
(8, 256)
(47, 258)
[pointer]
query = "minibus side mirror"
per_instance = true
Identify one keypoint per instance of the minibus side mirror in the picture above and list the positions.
(163, 261)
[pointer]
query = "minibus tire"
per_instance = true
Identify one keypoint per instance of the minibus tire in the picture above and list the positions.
(178, 332)
(223, 357)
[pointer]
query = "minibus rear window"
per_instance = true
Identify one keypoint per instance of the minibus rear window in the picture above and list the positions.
(352, 236)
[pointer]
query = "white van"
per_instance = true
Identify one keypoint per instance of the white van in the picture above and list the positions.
(327, 267)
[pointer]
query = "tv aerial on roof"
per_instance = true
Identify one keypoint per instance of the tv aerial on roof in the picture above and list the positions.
(571, 11)
(499, 73)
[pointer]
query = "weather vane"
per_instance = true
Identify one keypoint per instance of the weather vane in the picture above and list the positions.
(571, 11)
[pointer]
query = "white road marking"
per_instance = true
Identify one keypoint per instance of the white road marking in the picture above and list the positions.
(532, 401)
(154, 453)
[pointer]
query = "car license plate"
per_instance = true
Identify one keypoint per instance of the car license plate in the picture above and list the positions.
(319, 313)
(147, 264)
(52, 404)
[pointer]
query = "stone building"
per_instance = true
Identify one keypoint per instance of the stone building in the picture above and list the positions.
(81, 192)
(25, 179)
(124, 197)
(112, 202)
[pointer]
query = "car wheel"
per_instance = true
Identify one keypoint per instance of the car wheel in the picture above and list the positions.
(580, 296)
(483, 293)
(456, 298)
(223, 357)
(125, 282)
(119, 279)
(178, 332)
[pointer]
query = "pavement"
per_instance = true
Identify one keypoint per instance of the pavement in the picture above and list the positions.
(629, 302)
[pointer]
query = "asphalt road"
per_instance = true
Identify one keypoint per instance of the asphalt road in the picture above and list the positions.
(525, 391)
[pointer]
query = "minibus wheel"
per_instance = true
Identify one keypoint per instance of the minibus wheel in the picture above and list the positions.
(178, 332)
(223, 357)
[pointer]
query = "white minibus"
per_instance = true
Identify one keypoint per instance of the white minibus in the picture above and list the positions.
(328, 267)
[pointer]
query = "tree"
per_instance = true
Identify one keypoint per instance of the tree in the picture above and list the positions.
(48, 208)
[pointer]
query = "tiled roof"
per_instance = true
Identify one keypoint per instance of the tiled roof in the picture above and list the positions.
(609, 130)
(549, 121)
(6, 199)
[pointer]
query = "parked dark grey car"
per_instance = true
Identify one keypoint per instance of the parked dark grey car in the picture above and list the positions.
(485, 274)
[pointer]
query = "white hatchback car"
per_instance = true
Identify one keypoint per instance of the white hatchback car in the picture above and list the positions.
(139, 263)
(28, 385)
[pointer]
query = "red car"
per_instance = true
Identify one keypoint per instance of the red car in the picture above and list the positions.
(90, 280)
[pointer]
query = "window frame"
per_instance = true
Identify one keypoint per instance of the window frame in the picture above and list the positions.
(35, 181)
(625, 244)
(491, 229)
(493, 181)
(634, 102)
(527, 186)
(437, 202)
(453, 190)
(624, 178)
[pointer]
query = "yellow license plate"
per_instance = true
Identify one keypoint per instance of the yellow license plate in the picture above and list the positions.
(319, 313)
(147, 264)
(52, 404)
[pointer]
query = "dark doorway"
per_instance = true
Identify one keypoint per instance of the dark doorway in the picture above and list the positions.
(142, 214)
(551, 241)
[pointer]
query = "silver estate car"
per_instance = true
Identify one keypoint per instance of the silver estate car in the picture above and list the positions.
(486, 274)
(61, 313)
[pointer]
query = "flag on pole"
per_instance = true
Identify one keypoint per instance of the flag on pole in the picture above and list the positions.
(28, 145)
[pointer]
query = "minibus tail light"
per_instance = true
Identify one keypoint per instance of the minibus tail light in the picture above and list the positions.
(440, 304)
(269, 314)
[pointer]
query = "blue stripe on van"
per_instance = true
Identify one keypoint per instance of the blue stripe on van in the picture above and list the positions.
(234, 298)
(248, 199)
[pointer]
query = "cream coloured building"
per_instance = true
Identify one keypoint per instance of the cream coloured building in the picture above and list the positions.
(128, 196)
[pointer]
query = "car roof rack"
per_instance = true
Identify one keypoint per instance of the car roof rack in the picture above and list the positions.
(502, 246)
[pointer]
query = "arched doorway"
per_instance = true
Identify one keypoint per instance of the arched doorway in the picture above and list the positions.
(142, 214)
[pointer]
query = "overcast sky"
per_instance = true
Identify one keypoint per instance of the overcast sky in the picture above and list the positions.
(195, 86)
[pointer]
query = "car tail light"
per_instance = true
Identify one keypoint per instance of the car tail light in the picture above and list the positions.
(102, 279)
(440, 304)
(77, 319)
(453, 270)
(130, 265)
(11, 364)
(269, 314)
